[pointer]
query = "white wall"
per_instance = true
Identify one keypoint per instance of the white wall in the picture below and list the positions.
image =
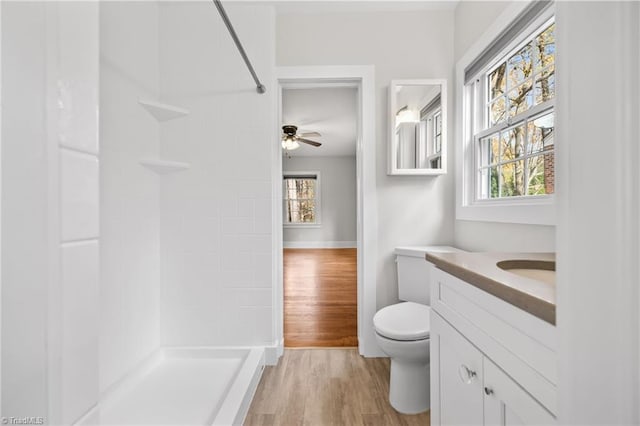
(471, 20)
(50, 210)
(216, 229)
(598, 227)
(75, 125)
(24, 210)
(130, 193)
(337, 202)
(401, 45)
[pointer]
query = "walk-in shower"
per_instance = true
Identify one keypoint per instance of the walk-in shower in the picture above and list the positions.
(136, 211)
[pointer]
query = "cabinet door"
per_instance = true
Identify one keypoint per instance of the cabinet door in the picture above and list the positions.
(457, 367)
(506, 403)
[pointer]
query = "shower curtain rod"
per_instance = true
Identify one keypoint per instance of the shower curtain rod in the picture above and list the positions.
(223, 14)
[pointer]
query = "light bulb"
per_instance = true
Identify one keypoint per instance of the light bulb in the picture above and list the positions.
(289, 143)
(407, 116)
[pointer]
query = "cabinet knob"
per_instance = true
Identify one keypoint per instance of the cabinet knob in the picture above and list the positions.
(466, 374)
(488, 391)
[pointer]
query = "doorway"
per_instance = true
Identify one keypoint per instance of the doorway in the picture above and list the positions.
(319, 216)
(361, 79)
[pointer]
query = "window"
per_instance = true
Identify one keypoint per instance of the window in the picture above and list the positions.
(436, 159)
(431, 131)
(437, 132)
(301, 199)
(507, 121)
(515, 139)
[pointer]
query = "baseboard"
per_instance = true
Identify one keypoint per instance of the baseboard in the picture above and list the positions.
(374, 353)
(320, 244)
(369, 348)
(273, 353)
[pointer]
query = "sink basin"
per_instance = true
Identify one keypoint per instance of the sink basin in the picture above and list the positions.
(540, 270)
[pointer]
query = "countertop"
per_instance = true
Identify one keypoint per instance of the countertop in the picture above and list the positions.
(480, 270)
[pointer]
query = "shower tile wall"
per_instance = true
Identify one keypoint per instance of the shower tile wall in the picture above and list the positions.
(216, 216)
(77, 70)
(24, 210)
(50, 214)
(130, 193)
(80, 322)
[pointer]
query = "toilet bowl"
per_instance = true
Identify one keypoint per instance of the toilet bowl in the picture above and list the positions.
(403, 330)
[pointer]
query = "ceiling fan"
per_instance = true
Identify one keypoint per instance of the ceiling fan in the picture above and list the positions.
(291, 138)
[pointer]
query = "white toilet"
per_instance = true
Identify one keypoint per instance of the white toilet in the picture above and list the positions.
(402, 331)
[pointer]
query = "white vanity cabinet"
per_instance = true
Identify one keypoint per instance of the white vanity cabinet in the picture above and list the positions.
(458, 370)
(491, 363)
(507, 403)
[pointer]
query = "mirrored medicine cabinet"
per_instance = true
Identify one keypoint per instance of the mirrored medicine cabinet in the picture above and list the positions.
(417, 127)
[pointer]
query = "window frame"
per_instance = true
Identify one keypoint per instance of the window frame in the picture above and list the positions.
(434, 157)
(437, 149)
(522, 121)
(528, 209)
(317, 199)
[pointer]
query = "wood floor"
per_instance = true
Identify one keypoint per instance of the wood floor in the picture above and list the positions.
(320, 298)
(327, 387)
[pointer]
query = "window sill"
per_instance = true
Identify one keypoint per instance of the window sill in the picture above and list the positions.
(531, 212)
(302, 225)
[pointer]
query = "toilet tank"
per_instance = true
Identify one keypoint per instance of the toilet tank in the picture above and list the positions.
(414, 272)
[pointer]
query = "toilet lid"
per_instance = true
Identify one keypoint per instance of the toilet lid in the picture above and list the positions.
(403, 321)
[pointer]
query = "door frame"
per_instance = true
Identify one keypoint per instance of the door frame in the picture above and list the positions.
(362, 78)
(1, 98)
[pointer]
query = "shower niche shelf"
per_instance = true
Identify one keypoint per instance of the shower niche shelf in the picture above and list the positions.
(163, 167)
(163, 112)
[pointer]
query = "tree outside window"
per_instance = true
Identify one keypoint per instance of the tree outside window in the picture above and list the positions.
(516, 146)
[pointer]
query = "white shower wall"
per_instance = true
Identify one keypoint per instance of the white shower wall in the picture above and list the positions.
(130, 193)
(216, 231)
(50, 217)
(73, 313)
(24, 210)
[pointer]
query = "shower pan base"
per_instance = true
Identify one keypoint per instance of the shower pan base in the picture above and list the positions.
(184, 386)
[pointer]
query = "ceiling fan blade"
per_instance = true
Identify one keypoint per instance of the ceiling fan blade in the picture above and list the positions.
(307, 141)
(309, 134)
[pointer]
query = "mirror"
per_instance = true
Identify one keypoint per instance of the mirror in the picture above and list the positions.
(417, 124)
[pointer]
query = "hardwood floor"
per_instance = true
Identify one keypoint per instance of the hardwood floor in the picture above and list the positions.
(327, 387)
(320, 298)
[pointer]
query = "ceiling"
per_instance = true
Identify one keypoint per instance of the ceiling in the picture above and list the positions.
(357, 6)
(416, 97)
(330, 111)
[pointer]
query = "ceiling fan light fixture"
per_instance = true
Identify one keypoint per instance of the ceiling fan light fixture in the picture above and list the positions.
(289, 143)
(291, 139)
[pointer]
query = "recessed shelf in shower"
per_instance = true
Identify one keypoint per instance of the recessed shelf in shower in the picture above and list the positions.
(163, 167)
(163, 112)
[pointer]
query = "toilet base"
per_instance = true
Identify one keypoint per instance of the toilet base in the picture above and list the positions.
(409, 387)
